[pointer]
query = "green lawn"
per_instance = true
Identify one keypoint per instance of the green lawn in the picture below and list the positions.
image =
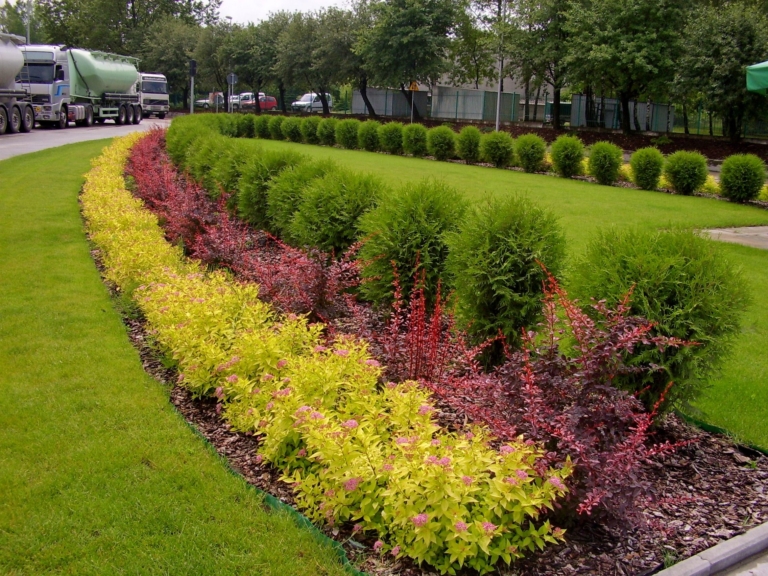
(98, 473)
(738, 397)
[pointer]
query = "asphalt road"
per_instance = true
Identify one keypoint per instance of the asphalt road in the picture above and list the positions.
(42, 138)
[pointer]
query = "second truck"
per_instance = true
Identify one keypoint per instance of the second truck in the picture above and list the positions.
(16, 114)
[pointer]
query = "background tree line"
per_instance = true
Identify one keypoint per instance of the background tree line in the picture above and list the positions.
(692, 53)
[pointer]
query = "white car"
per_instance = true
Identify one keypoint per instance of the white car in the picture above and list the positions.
(311, 103)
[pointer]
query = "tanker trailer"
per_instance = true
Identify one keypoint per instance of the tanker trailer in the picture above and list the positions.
(16, 114)
(82, 86)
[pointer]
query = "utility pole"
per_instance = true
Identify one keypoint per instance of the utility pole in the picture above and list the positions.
(501, 65)
(192, 73)
(29, 19)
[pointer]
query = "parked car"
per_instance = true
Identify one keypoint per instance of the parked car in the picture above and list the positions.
(248, 102)
(311, 103)
(213, 100)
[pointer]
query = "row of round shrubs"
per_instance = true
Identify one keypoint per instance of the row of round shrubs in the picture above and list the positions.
(742, 177)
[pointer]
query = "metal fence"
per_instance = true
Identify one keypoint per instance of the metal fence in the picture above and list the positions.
(462, 104)
(702, 122)
(606, 113)
(389, 102)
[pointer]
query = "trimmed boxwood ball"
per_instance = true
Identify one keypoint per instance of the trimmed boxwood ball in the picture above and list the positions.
(275, 127)
(368, 135)
(604, 163)
(468, 144)
(530, 150)
(497, 148)
(441, 142)
(309, 127)
(415, 140)
(291, 128)
(261, 126)
(326, 131)
(567, 155)
(493, 263)
(391, 137)
(742, 177)
(346, 133)
(686, 171)
(647, 164)
(683, 283)
(409, 226)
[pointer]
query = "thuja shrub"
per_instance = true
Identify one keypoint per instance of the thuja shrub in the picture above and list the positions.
(530, 150)
(647, 164)
(330, 208)
(255, 180)
(225, 174)
(415, 140)
(495, 263)
(275, 127)
(368, 135)
(685, 285)
(346, 133)
(497, 148)
(285, 192)
(309, 126)
(405, 235)
(742, 177)
(203, 155)
(567, 156)
(244, 126)
(686, 171)
(605, 161)
(391, 137)
(441, 142)
(468, 144)
(291, 129)
(261, 126)
(326, 131)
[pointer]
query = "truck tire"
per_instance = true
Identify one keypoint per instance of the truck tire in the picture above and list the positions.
(137, 115)
(88, 120)
(3, 120)
(14, 120)
(129, 114)
(27, 119)
(161, 116)
(121, 116)
(62, 122)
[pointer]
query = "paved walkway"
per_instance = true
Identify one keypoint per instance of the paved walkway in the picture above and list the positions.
(753, 567)
(754, 236)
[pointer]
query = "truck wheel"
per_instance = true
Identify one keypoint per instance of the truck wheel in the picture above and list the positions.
(14, 122)
(28, 119)
(62, 122)
(161, 116)
(121, 116)
(129, 114)
(137, 115)
(88, 120)
(3, 120)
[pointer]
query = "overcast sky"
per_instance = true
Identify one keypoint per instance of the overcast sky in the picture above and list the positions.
(243, 11)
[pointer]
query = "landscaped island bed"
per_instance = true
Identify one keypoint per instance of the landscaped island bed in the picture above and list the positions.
(670, 492)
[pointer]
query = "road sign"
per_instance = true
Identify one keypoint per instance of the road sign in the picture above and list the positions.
(414, 87)
(231, 78)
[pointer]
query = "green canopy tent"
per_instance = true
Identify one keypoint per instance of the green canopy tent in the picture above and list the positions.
(757, 78)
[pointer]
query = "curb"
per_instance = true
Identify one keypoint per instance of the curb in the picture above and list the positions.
(723, 556)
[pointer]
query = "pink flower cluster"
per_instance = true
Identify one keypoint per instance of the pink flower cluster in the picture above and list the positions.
(352, 484)
(420, 520)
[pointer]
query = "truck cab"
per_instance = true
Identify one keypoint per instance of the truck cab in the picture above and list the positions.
(153, 94)
(46, 75)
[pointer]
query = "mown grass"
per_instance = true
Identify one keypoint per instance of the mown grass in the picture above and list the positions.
(98, 473)
(738, 397)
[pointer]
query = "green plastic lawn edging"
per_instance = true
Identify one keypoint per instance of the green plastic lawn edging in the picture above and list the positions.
(278, 505)
(717, 430)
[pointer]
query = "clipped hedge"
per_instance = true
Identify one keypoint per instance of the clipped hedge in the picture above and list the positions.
(415, 140)
(567, 156)
(309, 126)
(686, 172)
(530, 150)
(291, 129)
(275, 127)
(605, 160)
(368, 135)
(441, 142)
(346, 133)
(647, 165)
(391, 137)
(468, 144)
(326, 131)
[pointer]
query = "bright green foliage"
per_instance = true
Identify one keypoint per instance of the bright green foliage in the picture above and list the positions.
(291, 129)
(255, 180)
(368, 135)
(261, 126)
(680, 281)
(326, 131)
(407, 228)
(275, 127)
(285, 192)
(742, 177)
(686, 171)
(202, 155)
(605, 161)
(346, 133)
(226, 173)
(330, 208)
(227, 124)
(497, 148)
(530, 150)
(309, 127)
(468, 144)
(415, 140)
(184, 132)
(495, 266)
(567, 155)
(647, 164)
(391, 137)
(245, 126)
(441, 142)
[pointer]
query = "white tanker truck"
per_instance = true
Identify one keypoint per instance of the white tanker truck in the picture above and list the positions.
(16, 113)
(81, 86)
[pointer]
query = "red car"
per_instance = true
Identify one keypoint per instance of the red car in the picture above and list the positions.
(248, 102)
